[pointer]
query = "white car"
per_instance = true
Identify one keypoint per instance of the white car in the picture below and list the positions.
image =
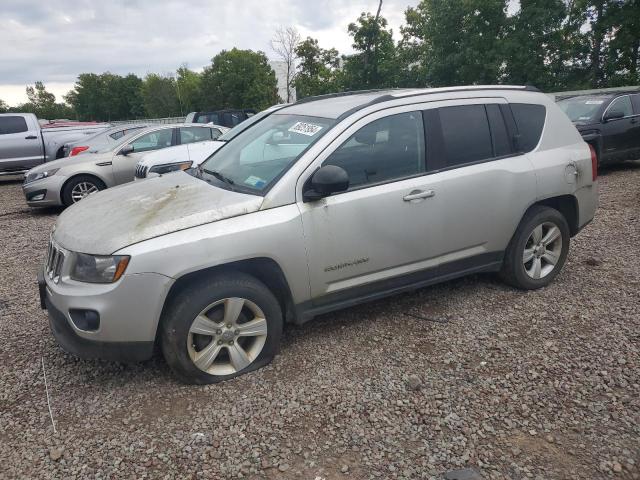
(183, 157)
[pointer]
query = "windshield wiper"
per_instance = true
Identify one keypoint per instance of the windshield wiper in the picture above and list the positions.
(219, 176)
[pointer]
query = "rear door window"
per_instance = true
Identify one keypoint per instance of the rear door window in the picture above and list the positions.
(466, 134)
(194, 134)
(12, 124)
(530, 121)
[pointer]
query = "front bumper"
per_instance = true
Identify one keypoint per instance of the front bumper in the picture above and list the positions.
(129, 312)
(50, 187)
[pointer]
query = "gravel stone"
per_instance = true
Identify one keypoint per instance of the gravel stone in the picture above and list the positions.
(561, 361)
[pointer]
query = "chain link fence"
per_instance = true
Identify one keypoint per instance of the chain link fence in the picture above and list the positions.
(149, 120)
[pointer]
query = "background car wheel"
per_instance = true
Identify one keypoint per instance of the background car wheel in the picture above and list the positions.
(537, 250)
(220, 328)
(79, 187)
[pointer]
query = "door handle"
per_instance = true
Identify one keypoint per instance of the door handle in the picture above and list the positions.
(633, 120)
(30, 137)
(419, 195)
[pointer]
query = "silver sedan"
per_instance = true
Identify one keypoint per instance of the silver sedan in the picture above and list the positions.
(69, 180)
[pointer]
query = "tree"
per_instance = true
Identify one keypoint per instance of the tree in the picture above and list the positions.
(239, 79)
(160, 96)
(375, 63)
(188, 85)
(107, 97)
(533, 46)
(318, 69)
(3, 106)
(284, 44)
(454, 43)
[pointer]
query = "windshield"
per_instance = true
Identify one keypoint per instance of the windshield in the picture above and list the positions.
(257, 157)
(581, 109)
(241, 127)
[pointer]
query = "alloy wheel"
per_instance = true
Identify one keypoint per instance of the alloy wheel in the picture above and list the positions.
(81, 190)
(542, 250)
(227, 336)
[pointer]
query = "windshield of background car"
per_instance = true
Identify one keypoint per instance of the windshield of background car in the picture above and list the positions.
(583, 108)
(259, 155)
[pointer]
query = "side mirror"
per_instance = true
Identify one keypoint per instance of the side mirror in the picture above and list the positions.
(613, 115)
(126, 150)
(325, 181)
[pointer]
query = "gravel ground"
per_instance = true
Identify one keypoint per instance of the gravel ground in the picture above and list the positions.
(467, 374)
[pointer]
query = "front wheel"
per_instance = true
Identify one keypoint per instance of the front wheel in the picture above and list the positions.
(220, 328)
(537, 250)
(80, 187)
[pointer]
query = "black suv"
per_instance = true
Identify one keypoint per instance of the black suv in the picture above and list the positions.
(610, 121)
(224, 118)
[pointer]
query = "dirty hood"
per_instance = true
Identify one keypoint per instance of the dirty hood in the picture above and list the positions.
(117, 217)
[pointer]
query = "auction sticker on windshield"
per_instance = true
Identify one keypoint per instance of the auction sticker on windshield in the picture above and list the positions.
(594, 102)
(304, 128)
(255, 181)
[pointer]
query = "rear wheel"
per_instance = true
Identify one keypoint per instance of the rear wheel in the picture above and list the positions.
(220, 328)
(537, 250)
(79, 187)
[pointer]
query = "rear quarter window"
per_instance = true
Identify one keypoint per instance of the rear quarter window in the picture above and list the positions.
(530, 122)
(12, 125)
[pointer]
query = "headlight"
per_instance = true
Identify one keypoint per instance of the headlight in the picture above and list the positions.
(98, 268)
(170, 167)
(32, 177)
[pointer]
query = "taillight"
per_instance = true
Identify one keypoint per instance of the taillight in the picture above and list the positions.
(594, 163)
(77, 150)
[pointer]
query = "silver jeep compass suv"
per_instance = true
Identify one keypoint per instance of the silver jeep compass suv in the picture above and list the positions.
(322, 204)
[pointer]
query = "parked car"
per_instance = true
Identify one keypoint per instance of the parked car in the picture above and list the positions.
(610, 121)
(24, 144)
(226, 118)
(182, 158)
(326, 203)
(69, 180)
(101, 140)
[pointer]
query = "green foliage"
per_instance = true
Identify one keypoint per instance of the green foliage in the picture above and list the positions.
(160, 96)
(374, 65)
(188, 84)
(106, 97)
(3, 106)
(239, 79)
(534, 45)
(318, 69)
(43, 104)
(454, 43)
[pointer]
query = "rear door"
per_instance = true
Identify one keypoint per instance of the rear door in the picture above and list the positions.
(618, 134)
(20, 144)
(124, 166)
(481, 185)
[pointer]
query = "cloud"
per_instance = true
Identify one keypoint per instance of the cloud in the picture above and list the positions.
(54, 41)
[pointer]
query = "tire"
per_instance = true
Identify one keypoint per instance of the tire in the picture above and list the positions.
(74, 186)
(220, 353)
(539, 270)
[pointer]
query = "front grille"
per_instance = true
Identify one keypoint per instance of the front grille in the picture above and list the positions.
(141, 171)
(55, 259)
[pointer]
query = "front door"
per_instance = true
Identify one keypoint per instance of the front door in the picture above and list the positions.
(386, 226)
(617, 134)
(20, 148)
(124, 166)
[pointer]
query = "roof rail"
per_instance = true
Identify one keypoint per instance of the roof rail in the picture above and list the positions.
(418, 93)
(342, 94)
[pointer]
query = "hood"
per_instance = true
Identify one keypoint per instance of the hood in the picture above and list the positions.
(68, 161)
(107, 221)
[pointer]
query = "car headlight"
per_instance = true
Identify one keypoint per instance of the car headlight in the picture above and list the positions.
(99, 268)
(170, 167)
(32, 177)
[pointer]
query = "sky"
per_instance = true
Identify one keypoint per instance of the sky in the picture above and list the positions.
(55, 40)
